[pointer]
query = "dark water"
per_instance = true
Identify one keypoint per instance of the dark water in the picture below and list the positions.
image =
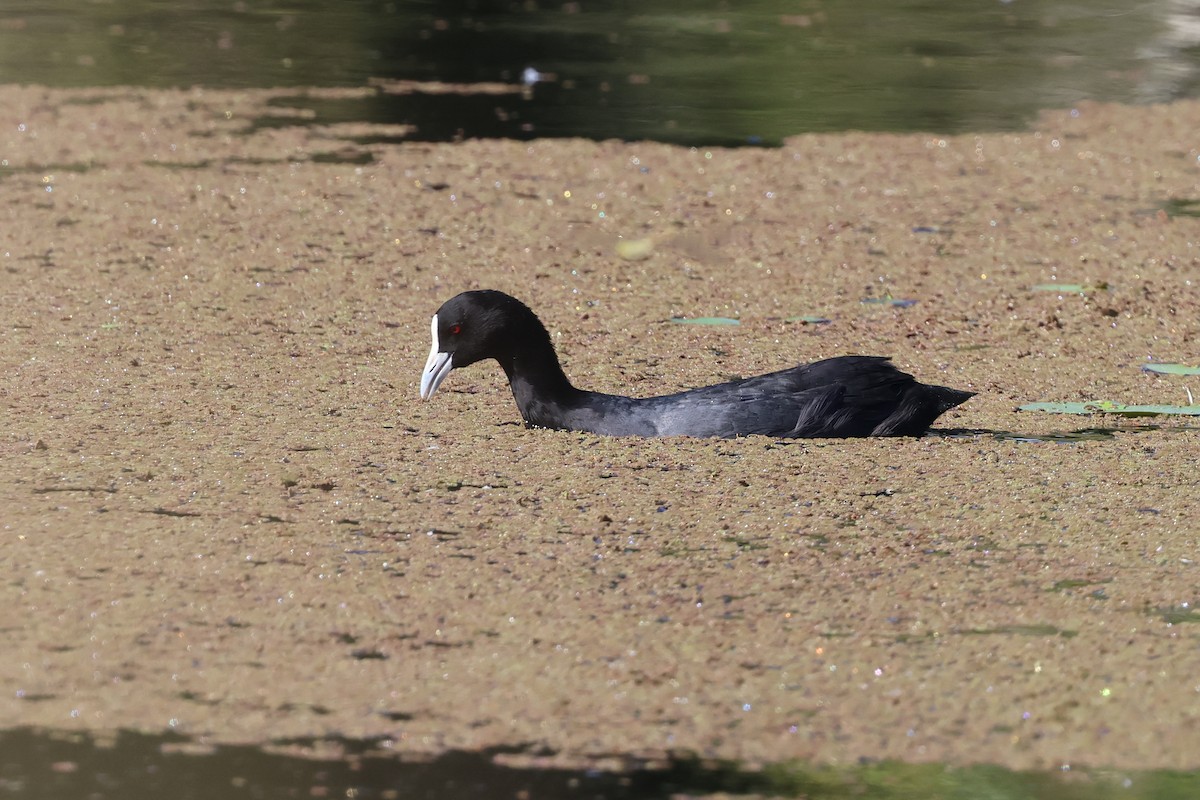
(130, 766)
(747, 72)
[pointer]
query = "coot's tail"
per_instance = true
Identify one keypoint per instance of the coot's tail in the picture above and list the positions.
(920, 406)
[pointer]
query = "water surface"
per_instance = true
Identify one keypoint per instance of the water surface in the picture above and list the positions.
(693, 73)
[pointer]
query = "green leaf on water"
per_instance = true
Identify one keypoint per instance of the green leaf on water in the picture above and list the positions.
(1021, 630)
(1182, 207)
(1171, 369)
(1179, 614)
(1072, 288)
(899, 302)
(809, 319)
(705, 321)
(1110, 407)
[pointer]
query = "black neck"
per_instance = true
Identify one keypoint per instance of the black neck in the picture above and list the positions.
(537, 379)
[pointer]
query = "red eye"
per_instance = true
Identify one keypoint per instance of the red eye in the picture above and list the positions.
(455, 329)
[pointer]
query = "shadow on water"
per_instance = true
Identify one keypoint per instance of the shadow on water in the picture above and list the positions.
(37, 764)
(1059, 437)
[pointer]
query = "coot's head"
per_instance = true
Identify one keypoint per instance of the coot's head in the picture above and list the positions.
(473, 326)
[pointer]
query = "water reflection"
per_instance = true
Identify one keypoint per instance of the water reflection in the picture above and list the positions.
(37, 765)
(673, 70)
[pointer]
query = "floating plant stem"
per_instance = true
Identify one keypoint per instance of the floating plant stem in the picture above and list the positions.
(705, 321)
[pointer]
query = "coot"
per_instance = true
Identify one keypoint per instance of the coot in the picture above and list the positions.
(837, 397)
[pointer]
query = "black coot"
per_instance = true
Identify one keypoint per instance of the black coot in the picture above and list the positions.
(837, 397)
